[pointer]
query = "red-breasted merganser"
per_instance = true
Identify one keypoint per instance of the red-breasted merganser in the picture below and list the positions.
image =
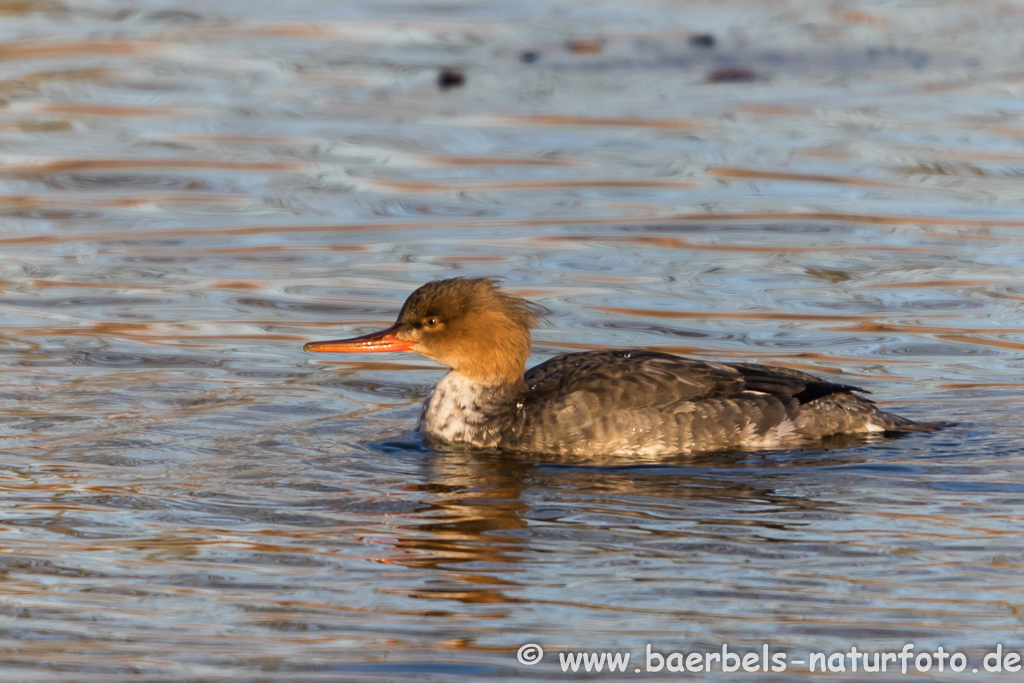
(600, 402)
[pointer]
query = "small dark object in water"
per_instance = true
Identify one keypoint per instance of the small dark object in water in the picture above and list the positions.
(450, 78)
(702, 40)
(734, 74)
(529, 57)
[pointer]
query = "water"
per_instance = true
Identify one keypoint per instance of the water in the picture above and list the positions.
(191, 192)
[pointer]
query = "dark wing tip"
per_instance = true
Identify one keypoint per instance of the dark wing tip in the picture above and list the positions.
(820, 389)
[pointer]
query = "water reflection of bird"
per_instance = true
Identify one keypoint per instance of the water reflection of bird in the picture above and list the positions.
(629, 402)
(488, 515)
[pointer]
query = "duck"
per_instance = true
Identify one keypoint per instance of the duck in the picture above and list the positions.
(618, 402)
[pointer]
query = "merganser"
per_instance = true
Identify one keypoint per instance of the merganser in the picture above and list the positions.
(624, 402)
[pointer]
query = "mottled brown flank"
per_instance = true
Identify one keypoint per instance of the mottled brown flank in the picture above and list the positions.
(484, 333)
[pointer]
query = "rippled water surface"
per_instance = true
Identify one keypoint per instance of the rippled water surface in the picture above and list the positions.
(190, 191)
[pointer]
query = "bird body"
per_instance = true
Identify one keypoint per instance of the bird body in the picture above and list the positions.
(624, 402)
(648, 403)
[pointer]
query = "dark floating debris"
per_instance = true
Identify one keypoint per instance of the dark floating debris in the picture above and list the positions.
(734, 74)
(702, 40)
(529, 56)
(450, 78)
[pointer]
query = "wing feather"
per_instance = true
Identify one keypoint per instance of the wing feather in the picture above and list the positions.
(635, 379)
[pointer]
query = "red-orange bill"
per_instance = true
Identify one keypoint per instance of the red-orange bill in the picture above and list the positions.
(385, 340)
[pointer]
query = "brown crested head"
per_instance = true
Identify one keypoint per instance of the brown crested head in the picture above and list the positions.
(466, 323)
(470, 325)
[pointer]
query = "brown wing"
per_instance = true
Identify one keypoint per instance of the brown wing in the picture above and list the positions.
(609, 399)
(655, 379)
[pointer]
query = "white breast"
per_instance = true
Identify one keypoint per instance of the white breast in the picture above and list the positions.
(457, 411)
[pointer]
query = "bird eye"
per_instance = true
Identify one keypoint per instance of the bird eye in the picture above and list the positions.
(431, 322)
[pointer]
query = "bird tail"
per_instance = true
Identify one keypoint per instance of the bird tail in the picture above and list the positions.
(894, 424)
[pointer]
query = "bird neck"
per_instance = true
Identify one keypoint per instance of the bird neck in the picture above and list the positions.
(499, 355)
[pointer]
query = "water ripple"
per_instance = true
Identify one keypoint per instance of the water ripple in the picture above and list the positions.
(189, 194)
